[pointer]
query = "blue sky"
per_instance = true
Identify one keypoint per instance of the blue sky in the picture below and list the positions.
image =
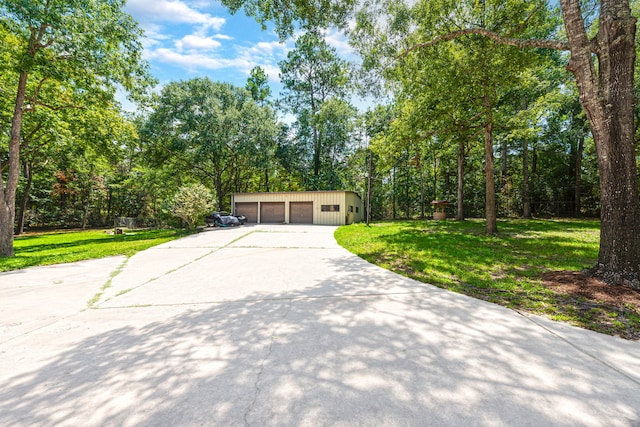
(194, 38)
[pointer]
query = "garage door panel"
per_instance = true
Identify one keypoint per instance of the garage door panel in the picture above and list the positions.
(250, 210)
(272, 212)
(301, 212)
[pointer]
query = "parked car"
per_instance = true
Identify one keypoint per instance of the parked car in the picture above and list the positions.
(223, 219)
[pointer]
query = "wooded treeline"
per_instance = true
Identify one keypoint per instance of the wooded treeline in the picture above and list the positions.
(83, 166)
(472, 114)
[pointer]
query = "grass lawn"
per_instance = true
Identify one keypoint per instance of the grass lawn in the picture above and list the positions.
(69, 246)
(506, 269)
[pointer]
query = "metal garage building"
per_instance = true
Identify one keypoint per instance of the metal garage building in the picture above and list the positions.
(303, 207)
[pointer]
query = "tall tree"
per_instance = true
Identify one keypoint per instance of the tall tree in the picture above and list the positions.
(603, 67)
(460, 81)
(214, 129)
(606, 87)
(312, 74)
(258, 85)
(86, 46)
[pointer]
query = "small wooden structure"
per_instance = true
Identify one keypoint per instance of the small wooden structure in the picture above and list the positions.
(438, 209)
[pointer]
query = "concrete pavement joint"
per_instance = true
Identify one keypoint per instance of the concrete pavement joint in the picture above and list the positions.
(53, 322)
(93, 301)
(274, 337)
(214, 250)
(579, 349)
(275, 299)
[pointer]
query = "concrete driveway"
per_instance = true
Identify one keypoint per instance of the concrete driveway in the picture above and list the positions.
(279, 326)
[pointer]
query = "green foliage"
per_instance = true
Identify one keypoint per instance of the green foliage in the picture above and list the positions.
(291, 14)
(445, 94)
(316, 84)
(87, 148)
(86, 46)
(83, 166)
(212, 132)
(191, 203)
(453, 95)
(257, 84)
(505, 269)
(60, 55)
(55, 248)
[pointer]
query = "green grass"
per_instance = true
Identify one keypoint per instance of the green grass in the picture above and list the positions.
(505, 269)
(71, 246)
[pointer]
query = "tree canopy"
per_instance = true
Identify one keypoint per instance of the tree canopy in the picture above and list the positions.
(62, 55)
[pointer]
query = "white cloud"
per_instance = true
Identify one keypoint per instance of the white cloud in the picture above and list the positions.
(267, 49)
(172, 11)
(340, 42)
(186, 35)
(194, 61)
(265, 55)
(272, 72)
(153, 36)
(197, 42)
(191, 53)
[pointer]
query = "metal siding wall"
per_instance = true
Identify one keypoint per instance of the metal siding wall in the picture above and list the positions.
(320, 198)
(330, 218)
(356, 202)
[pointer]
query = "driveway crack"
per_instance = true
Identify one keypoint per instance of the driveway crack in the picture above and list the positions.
(274, 338)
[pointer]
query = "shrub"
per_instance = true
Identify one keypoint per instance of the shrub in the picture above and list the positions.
(191, 203)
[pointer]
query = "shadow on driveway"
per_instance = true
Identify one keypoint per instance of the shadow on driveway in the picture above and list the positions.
(422, 356)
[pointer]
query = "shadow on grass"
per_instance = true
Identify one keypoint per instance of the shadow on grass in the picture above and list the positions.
(521, 245)
(53, 248)
(505, 269)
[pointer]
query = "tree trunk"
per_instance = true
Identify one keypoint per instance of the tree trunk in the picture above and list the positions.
(369, 178)
(423, 195)
(503, 155)
(608, 100)
(526, 192)
(217, 183)
(393, 192)
(316, 141)
(490, 190)
(460, 203)
(8, 190)
(578, 180)
(28, 172)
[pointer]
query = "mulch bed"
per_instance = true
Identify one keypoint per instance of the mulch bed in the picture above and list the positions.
(587, 293)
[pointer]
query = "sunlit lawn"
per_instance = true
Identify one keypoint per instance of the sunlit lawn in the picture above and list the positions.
(70, 246)
(505, 269)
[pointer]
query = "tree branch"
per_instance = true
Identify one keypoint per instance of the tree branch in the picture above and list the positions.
(60, 107)
(524, 23)
(533, 43)
(36, 92)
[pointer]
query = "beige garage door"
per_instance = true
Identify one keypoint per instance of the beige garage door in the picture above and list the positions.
(301, 212)
(272, 212)
(250, 210)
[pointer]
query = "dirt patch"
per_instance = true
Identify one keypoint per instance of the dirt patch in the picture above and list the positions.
(597, 298)
(578, 284)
